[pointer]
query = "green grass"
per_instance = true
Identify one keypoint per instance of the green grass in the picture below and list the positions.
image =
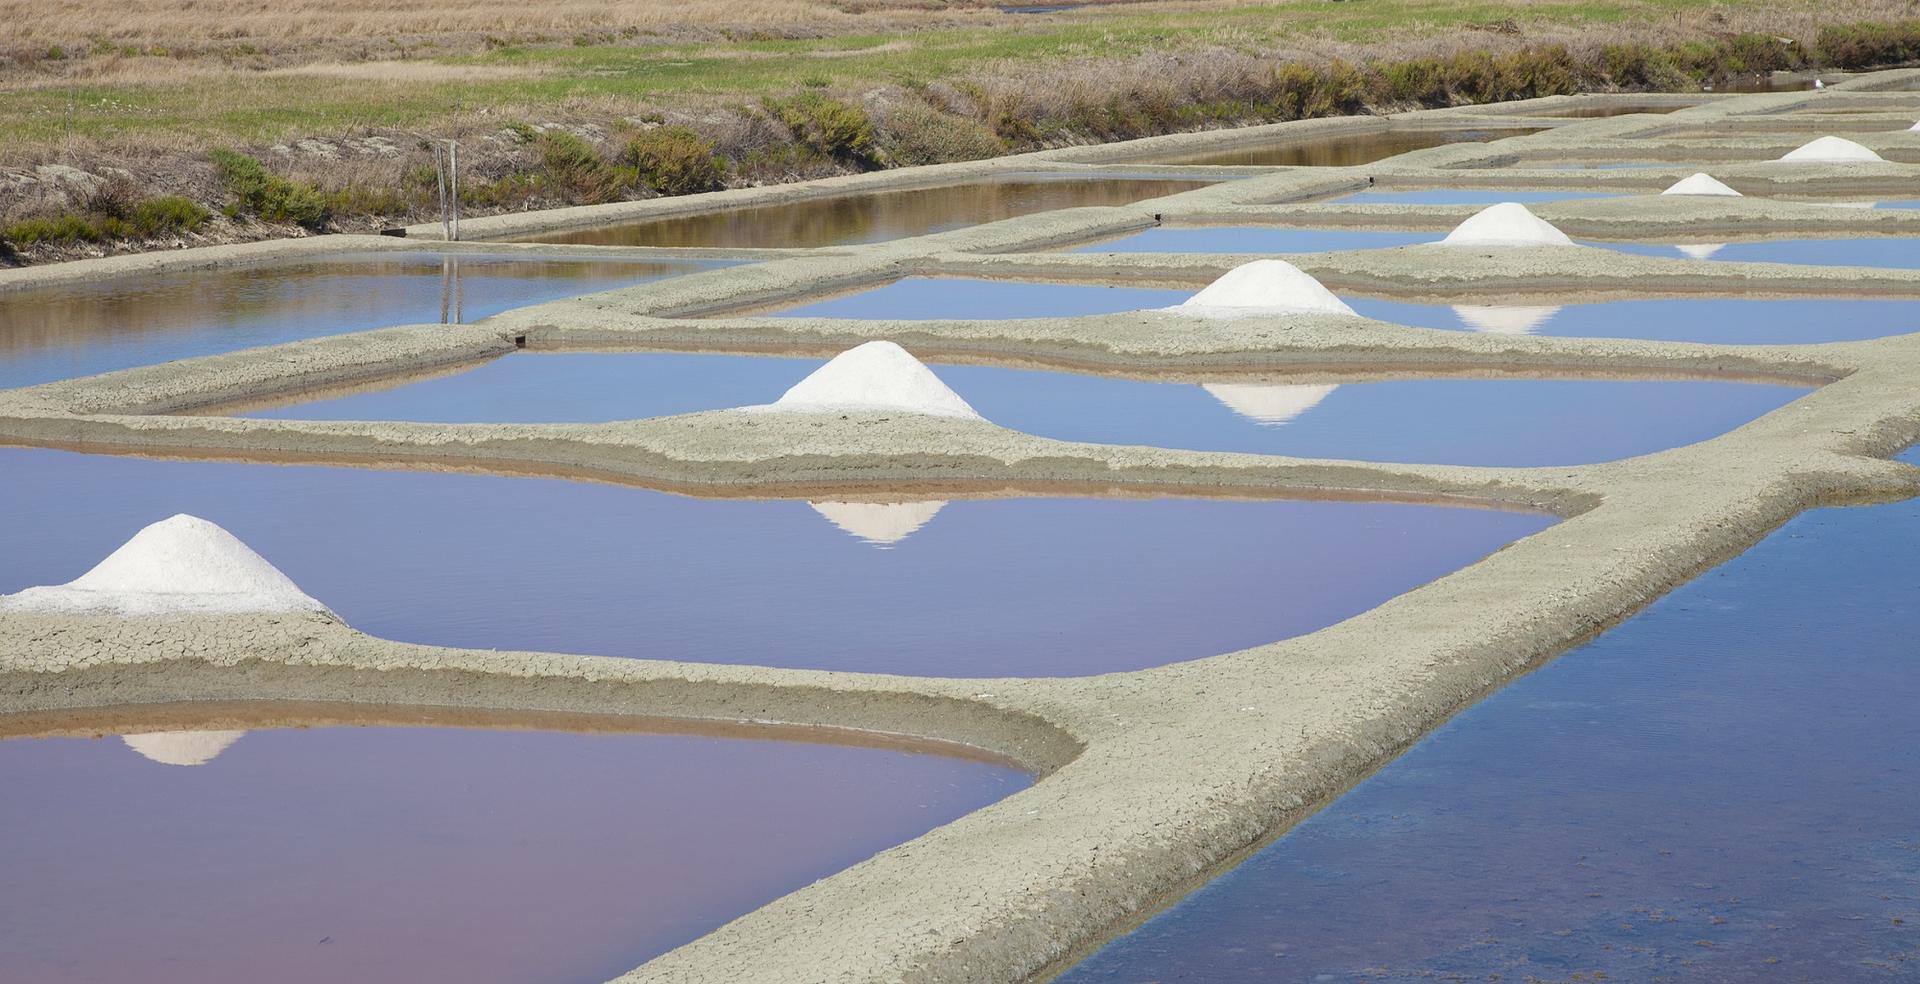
(252, 108)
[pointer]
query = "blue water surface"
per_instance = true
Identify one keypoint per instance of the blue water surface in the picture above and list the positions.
(1460, 421)
(983, 587)
(1465, 196)
(1730, 320)
(1702, 319)
(1722, 789)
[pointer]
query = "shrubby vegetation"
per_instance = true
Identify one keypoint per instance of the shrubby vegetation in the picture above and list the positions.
(259, 192)
(1018, 106)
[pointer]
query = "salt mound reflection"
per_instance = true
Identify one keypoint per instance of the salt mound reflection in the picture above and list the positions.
(182, 747)
(1272, 405)
(879, 523)
(1493, 319)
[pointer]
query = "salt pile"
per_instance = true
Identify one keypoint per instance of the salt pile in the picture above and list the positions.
(1513, 319)
(1914, 128)
(183, 564)
(877, 376)
(182, 747)
(1831, 150)
(1505, 224)
(1699, 251)
(879, 523)
(1700, 183)
(1269, 405)
(1263, 287)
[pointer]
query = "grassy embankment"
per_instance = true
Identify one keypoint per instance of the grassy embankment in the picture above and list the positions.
(630, 111)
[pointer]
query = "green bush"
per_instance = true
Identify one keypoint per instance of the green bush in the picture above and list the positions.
(674, 160)
(571, 169)
(1855, 46)
(61, 229)
(167, 215)
(829, 127)
(260, 192)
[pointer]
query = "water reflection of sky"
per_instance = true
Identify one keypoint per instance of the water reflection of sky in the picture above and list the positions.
(1718, 790)
(416, 854)
(1704, 319)
(64, 332)
(878, 216)
(1456, 421)
(989, 587)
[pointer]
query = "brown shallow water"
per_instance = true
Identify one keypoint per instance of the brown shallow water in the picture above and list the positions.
(878, 216)
(240, 844)
(1345, 151)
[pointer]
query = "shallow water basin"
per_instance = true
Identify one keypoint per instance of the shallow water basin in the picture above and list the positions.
(1457, 421)
(1700, 319)
(1729, 320)
(1888, 251)
(940, 298)
(1718, 790)
(980, 587)
(264, 842)
(1258, 239)
(1616, 109)
(1341, 151)
(1462, 196)
(64, 332)
(877, 216)
(1898, 252)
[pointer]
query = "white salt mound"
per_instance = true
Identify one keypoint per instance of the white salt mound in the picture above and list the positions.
(183, 564)
(1506, 319)
(1505, 224)
(1263, 287)
(1832, 150)
(182, 747)
(877, 376)
(1701, 184)
(1269, 405)
(1699, 251)
(1914, 128)
(879, 523)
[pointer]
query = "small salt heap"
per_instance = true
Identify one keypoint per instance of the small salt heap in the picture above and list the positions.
(880, 523)
(1701, 184)
(1269, 405)
(874, 377)
(1831, 150)
(182, 564)
(1505, 224)
(1505, 319)
(1263, 287)
(182, 747)
(1914, 128)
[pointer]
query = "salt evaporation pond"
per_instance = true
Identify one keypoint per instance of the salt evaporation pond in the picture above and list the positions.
(1900, 252)
(1340, 151)
(1462, 196)
(1699, 319)
(1615, 109)
(1719, 790)
(1456, 421)
(63, 332)
(1865, 251)
(1258, 239)
(399, 854)
(1039, 586)
(939, 298)
(1692, 319)
(878, 216)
